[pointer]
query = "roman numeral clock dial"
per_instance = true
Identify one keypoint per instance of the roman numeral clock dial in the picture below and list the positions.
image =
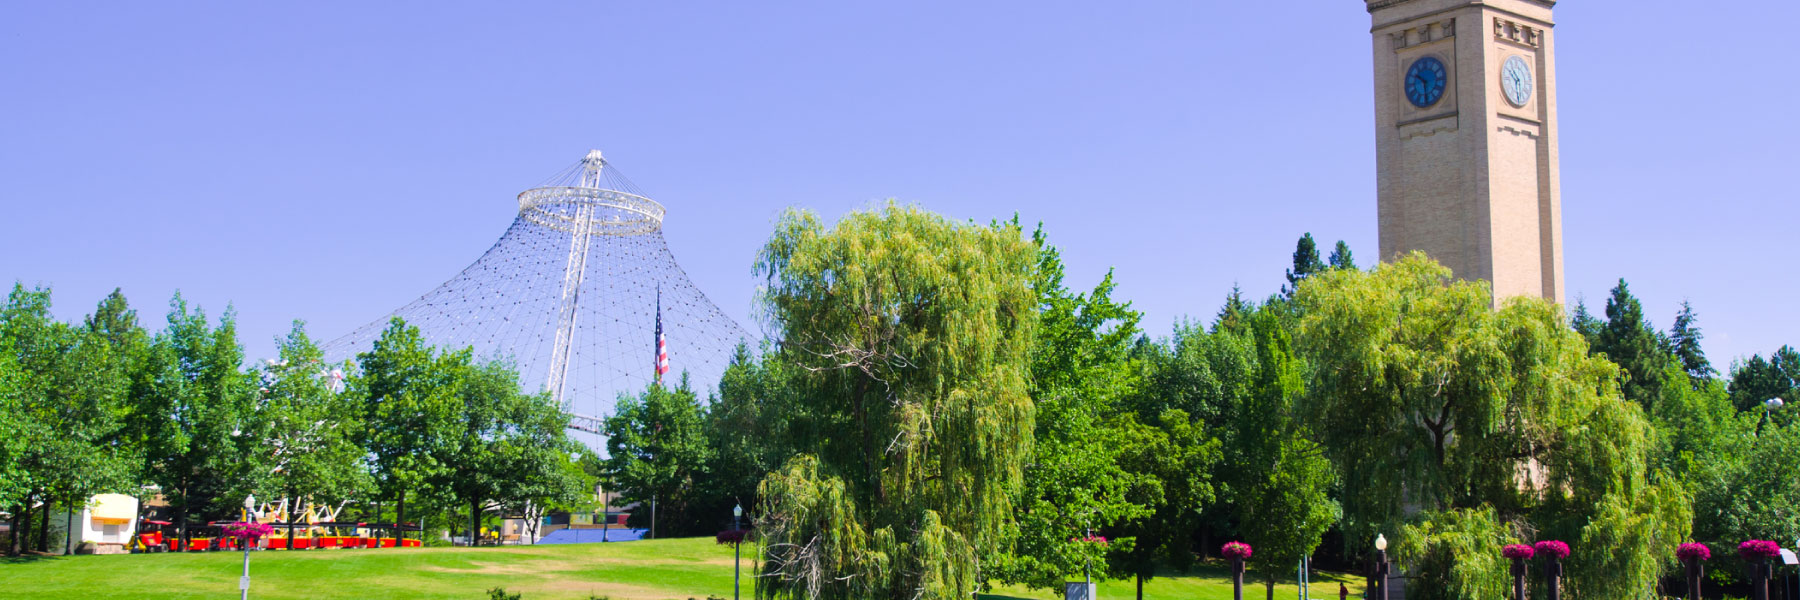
(1425, 82)
(1515, 80)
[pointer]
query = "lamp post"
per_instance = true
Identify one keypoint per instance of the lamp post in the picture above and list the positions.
(1381, 568)
(244, 582)
(1087, 568)
(737, 550)
(1769, 408)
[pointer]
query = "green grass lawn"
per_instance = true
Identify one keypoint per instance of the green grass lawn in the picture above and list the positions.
(677, 568)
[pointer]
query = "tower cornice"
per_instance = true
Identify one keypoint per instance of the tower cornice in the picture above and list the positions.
(1375, 5)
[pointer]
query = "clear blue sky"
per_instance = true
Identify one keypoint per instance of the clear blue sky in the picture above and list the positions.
(333, 161)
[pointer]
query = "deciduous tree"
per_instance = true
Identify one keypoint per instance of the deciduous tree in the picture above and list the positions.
(657, 453)
(1280, 475)
(914, 335)
(1078, 483)
(193, 402)
(410, 412)
(1425, 396)
(309, 429)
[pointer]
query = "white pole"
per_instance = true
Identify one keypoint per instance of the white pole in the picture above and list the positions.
(244, 583)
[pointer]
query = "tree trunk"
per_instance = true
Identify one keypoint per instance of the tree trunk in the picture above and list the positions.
(22, 527)
(12, 537)
(474, 524)
(1140, 586)
(1269, 586)
(290, 517)
(44, 527)
(399, 517)
(69, 532)
(181, 528)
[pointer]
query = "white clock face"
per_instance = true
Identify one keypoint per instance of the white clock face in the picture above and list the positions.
(1515, 80)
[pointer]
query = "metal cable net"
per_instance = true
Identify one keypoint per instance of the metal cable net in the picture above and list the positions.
(570, 295)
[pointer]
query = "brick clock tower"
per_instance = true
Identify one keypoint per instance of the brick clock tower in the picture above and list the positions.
(1465, 122)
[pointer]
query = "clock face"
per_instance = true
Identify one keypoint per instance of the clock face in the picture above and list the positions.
(1425, 81)
(1515, 80)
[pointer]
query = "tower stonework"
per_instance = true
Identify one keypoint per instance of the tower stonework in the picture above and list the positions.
(1465, 114)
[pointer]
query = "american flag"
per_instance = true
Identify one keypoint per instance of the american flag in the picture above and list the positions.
(662, 346)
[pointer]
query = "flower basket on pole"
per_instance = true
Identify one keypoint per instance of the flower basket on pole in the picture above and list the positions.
(1519, 553)
(1237, 553)
(247, 534)
(1085, 589)
(1756, 555)
(1553, 552)
(1693, 555)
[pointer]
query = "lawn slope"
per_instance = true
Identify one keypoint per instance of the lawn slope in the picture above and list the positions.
(647, 570)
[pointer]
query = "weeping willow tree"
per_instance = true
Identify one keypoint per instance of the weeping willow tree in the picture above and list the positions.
(1465, 427)
(910, 334)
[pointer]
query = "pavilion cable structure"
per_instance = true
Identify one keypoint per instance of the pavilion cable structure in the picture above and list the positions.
(582, 296)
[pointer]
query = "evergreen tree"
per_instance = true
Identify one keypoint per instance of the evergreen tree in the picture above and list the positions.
(1584, 323)
(1684, 341)
(1757, 380)
(1341, 257)
(1233, 316)
(1628, 340)
(1306, 263)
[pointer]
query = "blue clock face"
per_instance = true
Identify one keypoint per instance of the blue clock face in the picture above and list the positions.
(1425, 81)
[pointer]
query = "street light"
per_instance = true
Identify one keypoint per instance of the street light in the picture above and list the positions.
(1381, 567)
(737, 512)
(244, 582)
(1769, 408)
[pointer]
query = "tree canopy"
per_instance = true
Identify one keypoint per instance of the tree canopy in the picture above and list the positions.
(913, 335)
(1427, 396)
